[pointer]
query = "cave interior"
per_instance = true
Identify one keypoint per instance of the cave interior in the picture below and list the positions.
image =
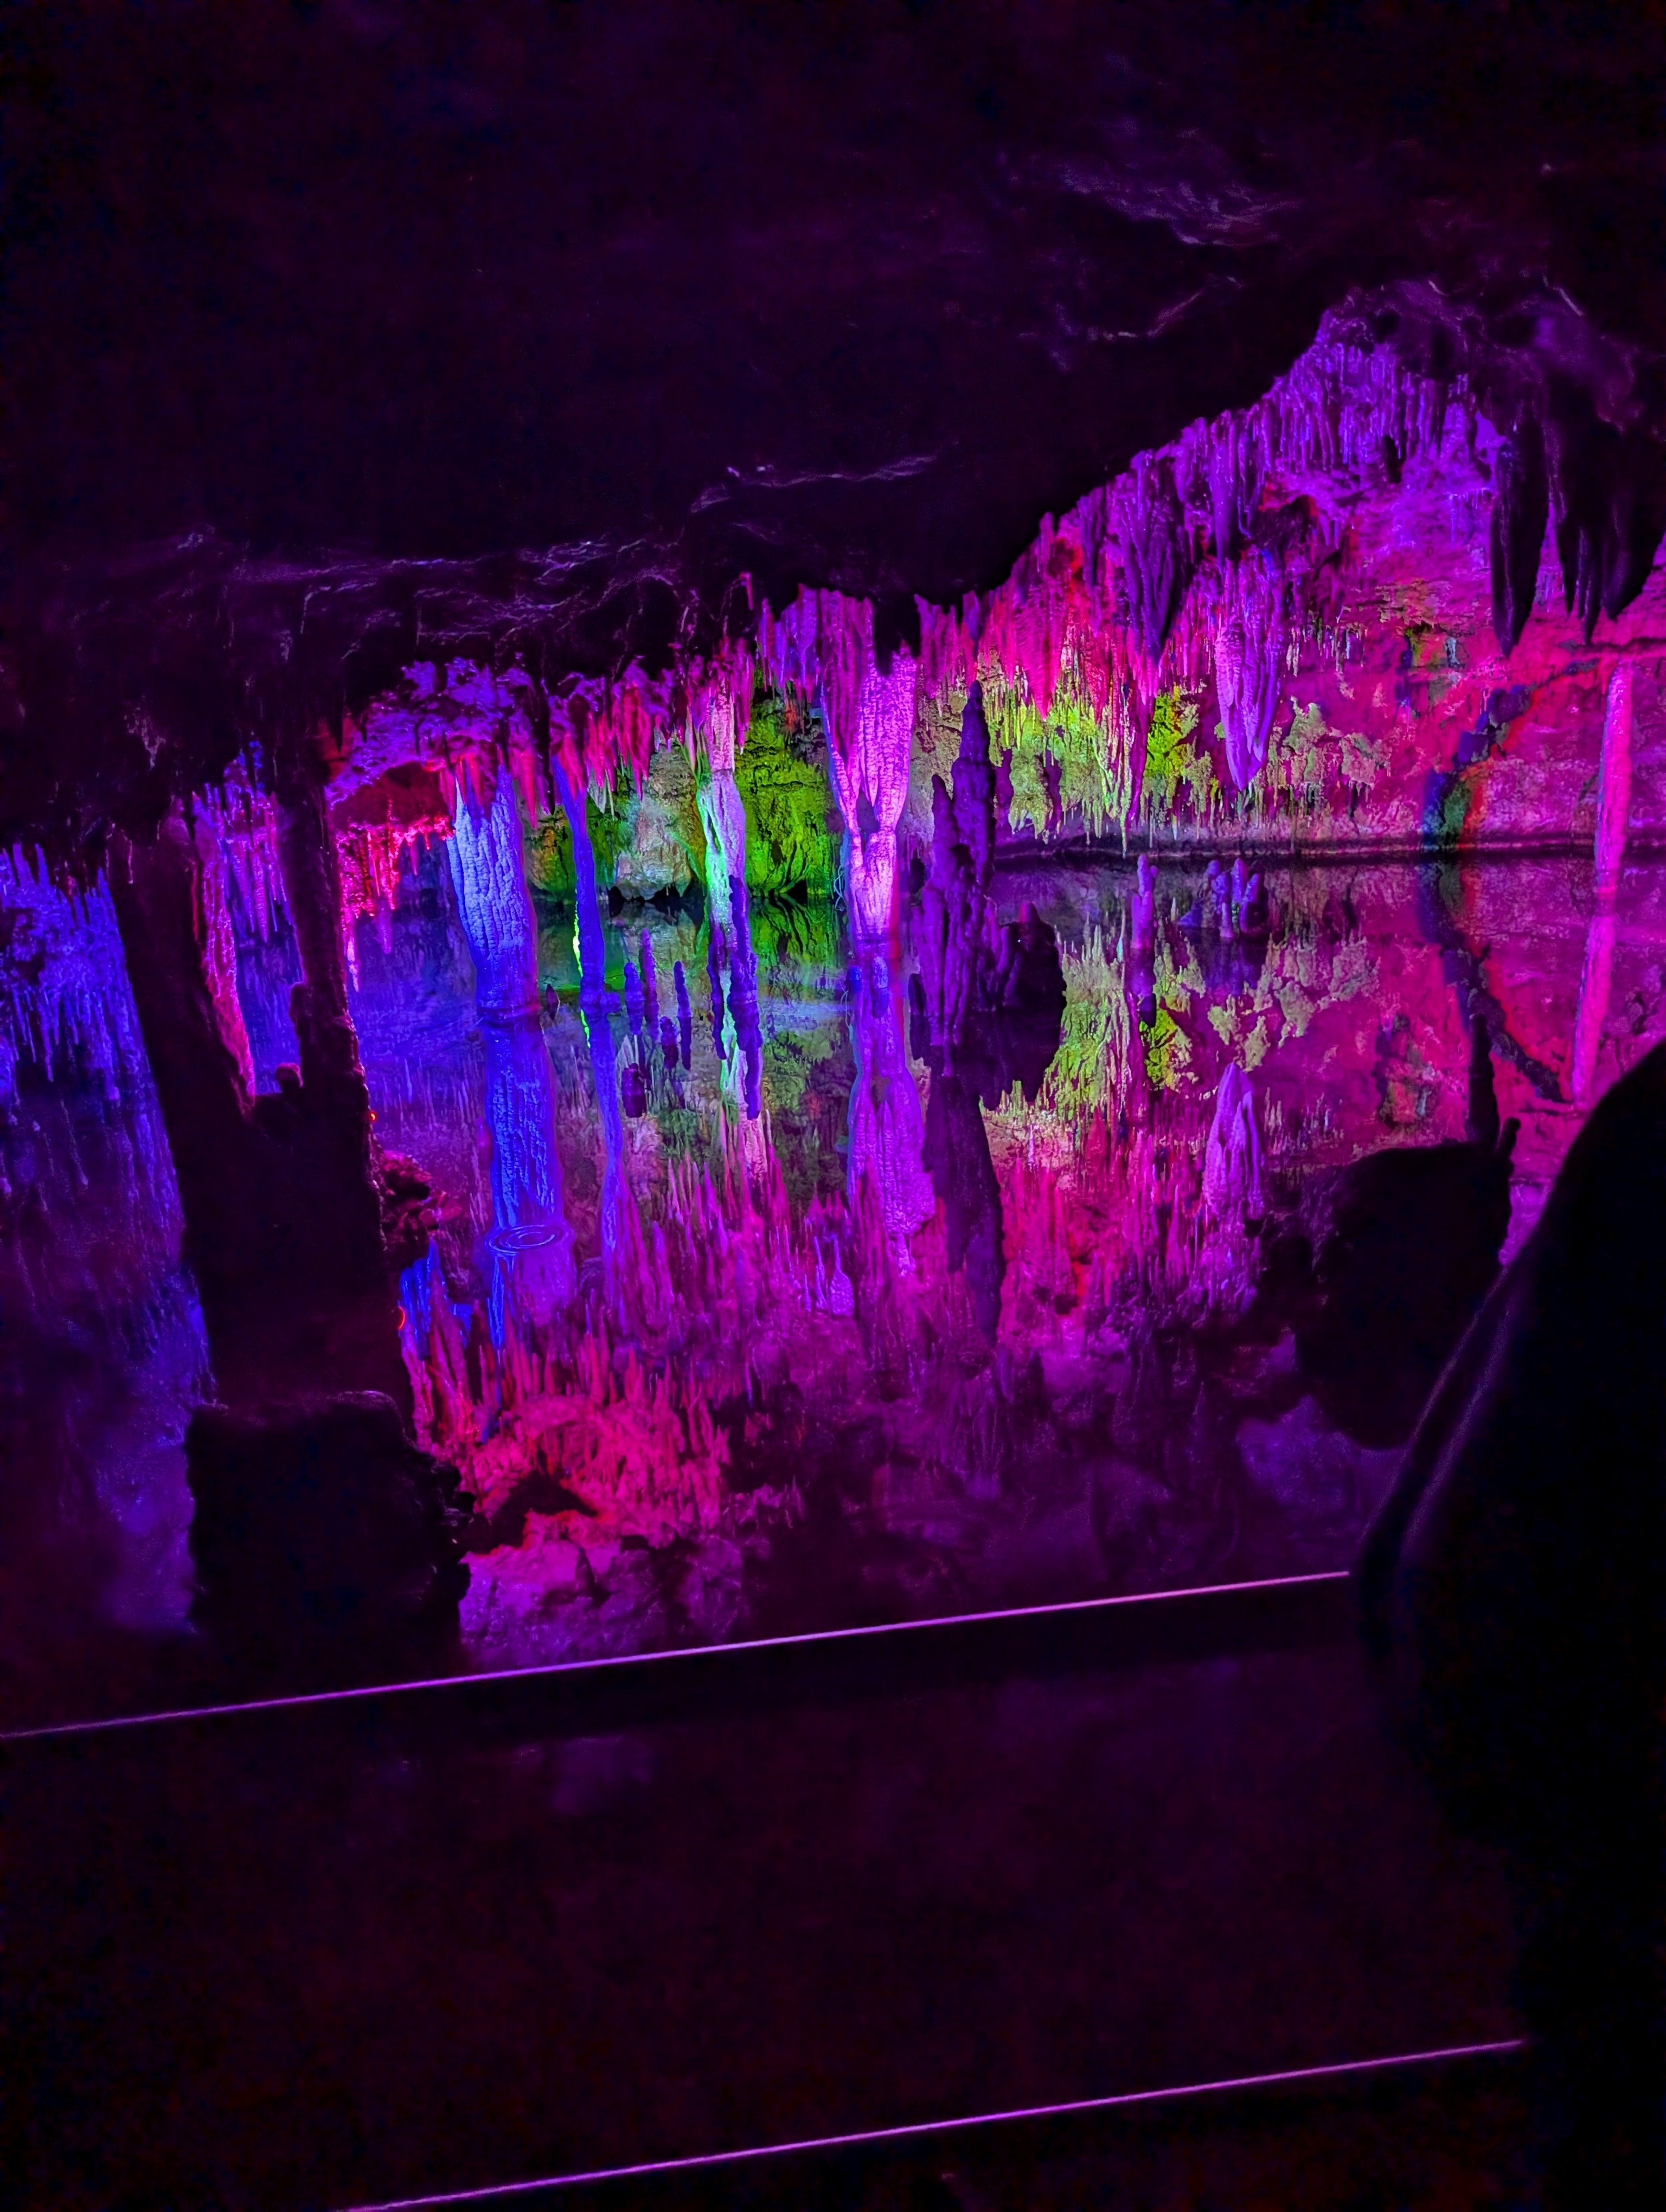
(815, 825)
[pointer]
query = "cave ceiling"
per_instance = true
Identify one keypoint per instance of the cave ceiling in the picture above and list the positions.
(568, 336)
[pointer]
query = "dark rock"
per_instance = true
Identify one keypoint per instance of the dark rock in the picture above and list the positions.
(323, 1540)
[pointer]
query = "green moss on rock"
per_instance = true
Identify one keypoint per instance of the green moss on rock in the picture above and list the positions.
(782, 772)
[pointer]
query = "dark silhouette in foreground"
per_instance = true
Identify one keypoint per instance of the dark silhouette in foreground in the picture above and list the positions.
(1514, 1592)
(1385, 1264)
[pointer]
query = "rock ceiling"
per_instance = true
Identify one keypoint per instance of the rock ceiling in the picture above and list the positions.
(342, 338)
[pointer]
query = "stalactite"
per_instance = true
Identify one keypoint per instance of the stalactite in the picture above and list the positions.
(715, 945)
(1229, 456)
(1248, 663)
(1608, 502)
(1520, 511)
(1156, 561)
(870, 766)
(64, 996)
(486, 855)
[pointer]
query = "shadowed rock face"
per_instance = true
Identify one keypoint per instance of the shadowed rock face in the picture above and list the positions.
(323, 1538)
(1386, 1262)
(850, 297)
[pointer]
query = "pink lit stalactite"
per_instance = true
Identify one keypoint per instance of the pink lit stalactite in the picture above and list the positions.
(870, 767)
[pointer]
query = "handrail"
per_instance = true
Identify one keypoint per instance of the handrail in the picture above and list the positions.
(506, 2192)
(1146, 1625)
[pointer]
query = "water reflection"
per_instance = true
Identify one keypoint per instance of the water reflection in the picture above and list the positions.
(1062, 1239)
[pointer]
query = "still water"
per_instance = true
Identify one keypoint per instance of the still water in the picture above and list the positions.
(752, 1308)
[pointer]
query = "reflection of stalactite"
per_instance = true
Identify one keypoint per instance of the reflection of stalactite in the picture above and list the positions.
(1232, 1188)
(592, 942)
(684, 1018)
(1614, 802)
(1143, 943)
(886, 1129)
(1596, 988)
(531, 1244)
(715, 976)
(1613, 782)
(991, 1003)
(616, 1200)
(955, 1153)
(743, 1005)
